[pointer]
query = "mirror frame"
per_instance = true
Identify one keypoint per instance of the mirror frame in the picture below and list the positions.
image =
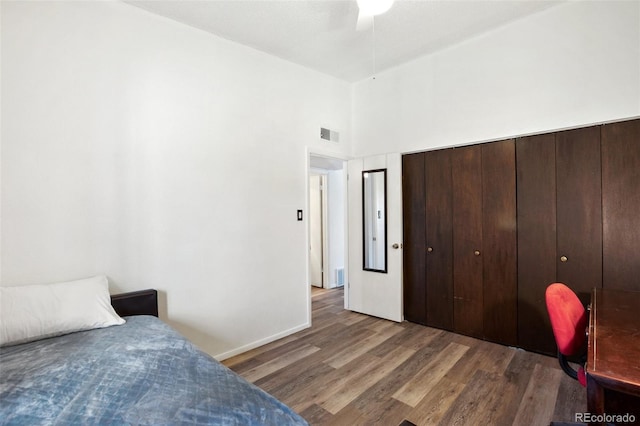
(364, 243)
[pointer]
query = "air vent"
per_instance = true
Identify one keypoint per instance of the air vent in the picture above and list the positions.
(329, 135)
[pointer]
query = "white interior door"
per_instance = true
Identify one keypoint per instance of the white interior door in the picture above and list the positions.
(375, 293)
(315, 230)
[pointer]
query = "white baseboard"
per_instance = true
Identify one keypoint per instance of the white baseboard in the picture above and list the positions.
(248, 347)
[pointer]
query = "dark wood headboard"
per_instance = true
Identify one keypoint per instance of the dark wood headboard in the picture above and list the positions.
(142, 302)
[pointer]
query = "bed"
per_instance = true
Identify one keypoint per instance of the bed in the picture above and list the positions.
(141, 372)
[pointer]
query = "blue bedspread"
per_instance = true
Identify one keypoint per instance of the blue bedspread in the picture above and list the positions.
(139, 373)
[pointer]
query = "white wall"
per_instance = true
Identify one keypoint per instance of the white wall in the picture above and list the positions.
(570, 65)
(163, 157)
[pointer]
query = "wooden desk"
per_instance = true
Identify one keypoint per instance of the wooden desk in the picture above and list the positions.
(613, 363)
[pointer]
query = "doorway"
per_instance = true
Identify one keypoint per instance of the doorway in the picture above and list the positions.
(327, 222)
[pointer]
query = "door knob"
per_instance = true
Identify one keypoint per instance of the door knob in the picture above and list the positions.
(477, 252)
(396, 246)
(563, 259)
(429, 249)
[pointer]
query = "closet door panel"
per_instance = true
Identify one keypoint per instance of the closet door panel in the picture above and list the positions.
(413, 211)
(499, 242)
(439, 245)
(467, 240)
(536, 215)
(621, 205)
(579, 216)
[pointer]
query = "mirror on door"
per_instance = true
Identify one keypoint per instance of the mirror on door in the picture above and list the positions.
(374, 211)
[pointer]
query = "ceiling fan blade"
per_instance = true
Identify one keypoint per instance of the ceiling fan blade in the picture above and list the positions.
(364, 22)
(374, 7)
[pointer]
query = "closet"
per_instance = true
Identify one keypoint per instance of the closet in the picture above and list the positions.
(488, 227)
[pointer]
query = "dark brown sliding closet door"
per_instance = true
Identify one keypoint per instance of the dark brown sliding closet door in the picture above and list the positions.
(579, 216)
(439, 244)
(621, 205)
(536, 207)
(467, 240)
(414, 257)
(499, 243)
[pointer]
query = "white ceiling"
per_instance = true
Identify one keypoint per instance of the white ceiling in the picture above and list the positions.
(325, 163)
(321, 34)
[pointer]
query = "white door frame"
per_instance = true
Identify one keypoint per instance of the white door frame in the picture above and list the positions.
(395, 208)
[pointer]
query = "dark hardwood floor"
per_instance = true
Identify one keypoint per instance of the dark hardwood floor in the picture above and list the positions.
(353, 369)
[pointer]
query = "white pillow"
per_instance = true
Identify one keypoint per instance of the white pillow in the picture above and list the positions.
(33, 312)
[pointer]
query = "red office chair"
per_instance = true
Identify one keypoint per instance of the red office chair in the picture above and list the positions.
(569, 322)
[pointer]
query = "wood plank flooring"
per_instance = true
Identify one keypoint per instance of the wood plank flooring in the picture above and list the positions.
(353, 369)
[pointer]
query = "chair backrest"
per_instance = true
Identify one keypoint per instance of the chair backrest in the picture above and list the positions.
(568, 318)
